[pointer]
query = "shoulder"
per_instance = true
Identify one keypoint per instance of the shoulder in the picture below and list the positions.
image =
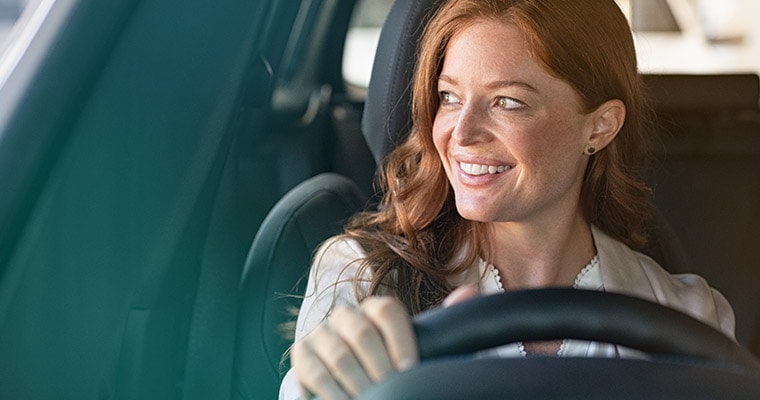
(629, 272)
(690, 294)
(336, 277)
(339, 248)
(338, 260)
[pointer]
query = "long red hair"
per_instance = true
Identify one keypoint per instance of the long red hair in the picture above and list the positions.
(416, 240)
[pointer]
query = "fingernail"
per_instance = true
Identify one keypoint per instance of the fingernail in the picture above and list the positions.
(406, 364)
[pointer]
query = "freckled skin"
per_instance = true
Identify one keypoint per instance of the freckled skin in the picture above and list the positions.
(500, 107)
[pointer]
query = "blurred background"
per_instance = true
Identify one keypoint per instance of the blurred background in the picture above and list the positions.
(672, 36)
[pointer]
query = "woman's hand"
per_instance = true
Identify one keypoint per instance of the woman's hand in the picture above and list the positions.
(461, 294)
(354, 348)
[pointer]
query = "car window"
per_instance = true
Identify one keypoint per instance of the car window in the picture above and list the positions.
(19, 21)
(10, 15)
(672, 36)
(361, 41)
(710, 36)
(10, 10)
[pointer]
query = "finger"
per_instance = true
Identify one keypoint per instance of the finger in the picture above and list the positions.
(364, 339)
(312, 374)
(460, 294)
(395, 325)
(339, 360)
(305, 393)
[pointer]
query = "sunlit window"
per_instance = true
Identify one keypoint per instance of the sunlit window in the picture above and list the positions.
(10, 13)
(361, 42)
(672, 36)
(24, 19)
(710, 36)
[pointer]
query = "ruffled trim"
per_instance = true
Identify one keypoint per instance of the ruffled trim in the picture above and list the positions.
(594, 263)
(579, 281)
(496, 277)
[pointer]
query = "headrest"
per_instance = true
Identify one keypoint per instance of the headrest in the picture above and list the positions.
(387, 111)
(698, 93)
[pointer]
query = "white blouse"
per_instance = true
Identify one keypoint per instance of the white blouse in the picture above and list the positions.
(589, 278)
(618, 270)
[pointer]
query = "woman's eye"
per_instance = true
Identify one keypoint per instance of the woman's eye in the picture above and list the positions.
(447, 98)
(508, 103)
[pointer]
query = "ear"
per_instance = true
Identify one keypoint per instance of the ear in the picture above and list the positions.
(607, 120)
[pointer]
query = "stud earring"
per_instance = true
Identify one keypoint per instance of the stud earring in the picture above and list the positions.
(590, 151)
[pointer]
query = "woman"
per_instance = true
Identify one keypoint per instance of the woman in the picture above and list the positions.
(520, 172)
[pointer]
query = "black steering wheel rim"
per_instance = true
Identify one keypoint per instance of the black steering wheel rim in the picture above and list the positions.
(564, 313)
(564, 378)
(690, 358)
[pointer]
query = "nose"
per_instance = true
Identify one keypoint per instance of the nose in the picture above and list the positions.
(470, 125)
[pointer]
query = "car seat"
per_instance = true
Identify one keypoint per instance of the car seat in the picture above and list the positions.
(274, 273)
(707, 182)
(315, 210)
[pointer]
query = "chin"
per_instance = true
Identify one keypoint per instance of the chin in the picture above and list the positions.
(478, 215)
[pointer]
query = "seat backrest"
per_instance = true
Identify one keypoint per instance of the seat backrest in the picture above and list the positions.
(387, 111)
(277, 265)
(707, 181)
(699, 93)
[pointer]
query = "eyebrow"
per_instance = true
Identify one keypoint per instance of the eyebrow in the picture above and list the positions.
(494, 84)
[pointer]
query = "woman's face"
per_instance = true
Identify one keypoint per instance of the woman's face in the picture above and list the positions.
(510, 135)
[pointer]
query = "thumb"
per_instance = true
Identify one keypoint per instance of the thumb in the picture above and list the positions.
(461, 294)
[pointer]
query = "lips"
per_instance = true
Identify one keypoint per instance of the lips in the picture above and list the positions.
(482, 169)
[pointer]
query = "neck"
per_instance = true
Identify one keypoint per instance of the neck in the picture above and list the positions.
(541, 255)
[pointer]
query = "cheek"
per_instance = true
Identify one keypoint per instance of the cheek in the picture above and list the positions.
(441, 138)
(556, 138)
(534, 143)
(549, 150)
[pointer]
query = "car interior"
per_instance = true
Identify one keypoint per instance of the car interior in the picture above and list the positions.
(168, 168)
(677, 99)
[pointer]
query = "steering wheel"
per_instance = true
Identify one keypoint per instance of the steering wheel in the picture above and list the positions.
(687, 358)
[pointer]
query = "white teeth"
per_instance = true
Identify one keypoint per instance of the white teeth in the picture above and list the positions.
(478, 169)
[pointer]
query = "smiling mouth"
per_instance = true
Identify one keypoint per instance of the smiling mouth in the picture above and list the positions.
(479, 169)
